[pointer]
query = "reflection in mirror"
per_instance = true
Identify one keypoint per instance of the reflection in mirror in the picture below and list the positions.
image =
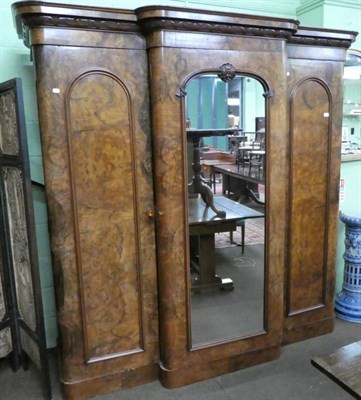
(351, 123)
(226, 163)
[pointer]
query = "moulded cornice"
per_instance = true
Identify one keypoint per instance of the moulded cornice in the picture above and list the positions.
(29, 14)
(324, 42)
(80, 23)
(323, 37)
(198, 26)
(33, 14)
(153, 18)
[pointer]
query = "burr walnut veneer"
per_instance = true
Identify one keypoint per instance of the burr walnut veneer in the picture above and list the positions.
(111, 86)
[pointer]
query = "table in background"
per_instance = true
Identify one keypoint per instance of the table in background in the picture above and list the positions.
(238, 180)
(208, 169)
(344, 367)
(203, 224)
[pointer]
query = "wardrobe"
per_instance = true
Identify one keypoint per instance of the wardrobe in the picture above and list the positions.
(112, 97)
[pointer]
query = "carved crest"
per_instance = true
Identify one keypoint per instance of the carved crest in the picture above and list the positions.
(226, 72)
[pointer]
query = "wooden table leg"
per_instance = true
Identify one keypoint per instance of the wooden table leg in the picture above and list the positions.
(207, 277)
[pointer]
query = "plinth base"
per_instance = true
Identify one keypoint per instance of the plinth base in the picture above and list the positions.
(348, 306)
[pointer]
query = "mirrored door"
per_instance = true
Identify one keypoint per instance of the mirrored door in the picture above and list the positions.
(226, 164)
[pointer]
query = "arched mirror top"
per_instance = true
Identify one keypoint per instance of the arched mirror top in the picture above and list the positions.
(226, 73)
(225, 115)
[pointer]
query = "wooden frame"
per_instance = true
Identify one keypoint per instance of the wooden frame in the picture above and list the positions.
(154, 50)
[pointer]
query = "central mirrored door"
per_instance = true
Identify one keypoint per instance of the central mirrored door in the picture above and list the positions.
(226, 164)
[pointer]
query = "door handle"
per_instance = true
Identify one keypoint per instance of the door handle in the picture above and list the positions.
(150, 213)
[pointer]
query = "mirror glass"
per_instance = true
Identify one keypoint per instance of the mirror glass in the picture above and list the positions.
(226, 164)
(351, 123)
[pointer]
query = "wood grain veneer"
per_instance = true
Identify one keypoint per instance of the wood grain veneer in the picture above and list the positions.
(97, 160)
(315, 115)
(171, 67)
(103, 141)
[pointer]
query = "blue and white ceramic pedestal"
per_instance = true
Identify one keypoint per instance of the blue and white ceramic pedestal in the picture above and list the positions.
(348, 301)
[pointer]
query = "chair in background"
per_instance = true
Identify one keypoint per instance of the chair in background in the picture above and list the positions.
(254, 204)
(242, 224)
(257, 154)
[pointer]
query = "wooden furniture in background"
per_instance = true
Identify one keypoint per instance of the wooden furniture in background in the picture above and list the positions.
(202, 227)
(344, 367)
(208, 170)
(198, 184)
(235, 141)
(238, 181)
(211, 158)
(93, 86)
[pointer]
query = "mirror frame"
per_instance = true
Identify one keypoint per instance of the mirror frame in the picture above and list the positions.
(226, 72)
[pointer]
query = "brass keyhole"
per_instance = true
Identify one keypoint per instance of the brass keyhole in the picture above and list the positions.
(150, 213)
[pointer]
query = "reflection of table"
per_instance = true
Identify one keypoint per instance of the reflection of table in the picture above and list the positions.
(208, 168)
(203, 224)
(240, 180)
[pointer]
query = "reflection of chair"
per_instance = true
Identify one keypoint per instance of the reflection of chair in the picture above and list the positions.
(256, 159)
(257, 155)
(242, 224)
(234, 142)
(259, 139)
(243, 155)
(252, 154)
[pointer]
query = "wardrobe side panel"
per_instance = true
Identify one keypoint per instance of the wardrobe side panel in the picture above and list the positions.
(94, 117)
(308, 211)
(315, 115)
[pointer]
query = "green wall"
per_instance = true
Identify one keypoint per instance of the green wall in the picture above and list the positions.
(332, 14)
(207, 109)
(15, 62)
